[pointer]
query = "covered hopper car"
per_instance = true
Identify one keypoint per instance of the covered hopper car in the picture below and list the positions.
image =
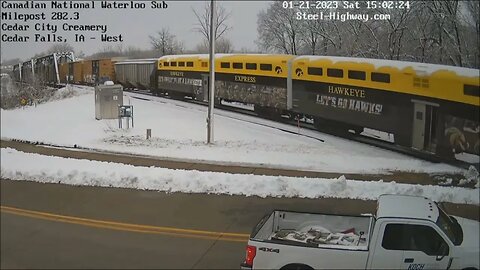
(138, 73)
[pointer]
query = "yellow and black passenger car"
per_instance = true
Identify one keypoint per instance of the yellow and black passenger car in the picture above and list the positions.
(428, 108)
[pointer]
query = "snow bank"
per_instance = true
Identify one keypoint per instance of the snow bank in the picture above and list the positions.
(21, 166)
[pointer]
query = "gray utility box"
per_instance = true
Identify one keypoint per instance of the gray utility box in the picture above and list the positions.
(107, 100)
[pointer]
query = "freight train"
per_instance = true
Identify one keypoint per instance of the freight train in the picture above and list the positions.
(63, 68)
(429, 109)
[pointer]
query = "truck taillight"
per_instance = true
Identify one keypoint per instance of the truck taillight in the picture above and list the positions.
(251, 252)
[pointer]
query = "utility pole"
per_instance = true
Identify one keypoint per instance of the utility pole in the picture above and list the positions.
(211, 99)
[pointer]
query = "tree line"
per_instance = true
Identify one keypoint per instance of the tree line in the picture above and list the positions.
(436, 31)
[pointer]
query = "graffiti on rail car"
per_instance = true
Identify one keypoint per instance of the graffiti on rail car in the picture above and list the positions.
(461, 135)
(264, 95)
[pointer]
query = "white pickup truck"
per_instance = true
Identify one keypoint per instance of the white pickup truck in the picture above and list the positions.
(407, 233)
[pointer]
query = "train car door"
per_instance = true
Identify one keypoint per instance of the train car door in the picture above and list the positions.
(70, 72)
(205, 86)
(424, 130)
(95, 71)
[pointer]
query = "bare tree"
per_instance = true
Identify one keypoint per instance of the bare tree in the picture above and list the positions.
(279, 30)
(60, 47)
(80, 55)
(203, 21)
(422, 41)
(106, 52)
(222, 45)
(166, 43)
(311, 37)
(446, 18)
(246, 50)
(9, 62)
(397, 28)
(471, 20)
(55, 48)
(137, 53)
(434, 31)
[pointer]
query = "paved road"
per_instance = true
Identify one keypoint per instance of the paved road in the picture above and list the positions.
(148, 161)
(30, 241)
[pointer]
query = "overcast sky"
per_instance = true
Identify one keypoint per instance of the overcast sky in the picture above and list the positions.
(135, 26)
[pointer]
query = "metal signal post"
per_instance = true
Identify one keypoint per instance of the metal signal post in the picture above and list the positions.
(211, 96)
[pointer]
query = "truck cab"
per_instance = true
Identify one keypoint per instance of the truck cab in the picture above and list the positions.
(414, 233)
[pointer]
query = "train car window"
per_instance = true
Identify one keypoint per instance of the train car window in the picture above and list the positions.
(333, 72)
(173, 64)
(166, 64)
(237, 65)
(225, 64)
(471, 90)
(425, 83)
(315, 71)
(189, 64)
(204, 64)
(181, 64)
(419, 82)
(380, 77)
(356, 75)
(266, 67)
(251, 66)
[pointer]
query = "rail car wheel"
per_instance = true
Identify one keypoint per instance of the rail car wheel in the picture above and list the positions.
(357, 129)
(175, 95)
(162, 92)
(268, 113)
(332, 127)
(259, 110)
(319, 123)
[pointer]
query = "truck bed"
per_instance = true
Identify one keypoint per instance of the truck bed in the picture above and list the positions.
(315, 230)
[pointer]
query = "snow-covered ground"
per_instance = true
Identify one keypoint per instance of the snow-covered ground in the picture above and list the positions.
(19, 166)
(179, 132)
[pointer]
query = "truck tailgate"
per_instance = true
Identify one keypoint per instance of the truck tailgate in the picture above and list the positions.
(276, 256)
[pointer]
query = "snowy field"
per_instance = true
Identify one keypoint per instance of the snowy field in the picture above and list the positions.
(179, 132)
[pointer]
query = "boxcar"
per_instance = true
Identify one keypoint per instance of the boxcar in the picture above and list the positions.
(104, 70)
(87, 72)
(28, 72)
(63, 72)
(17, 72)
(95, 71)
(75, 72)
